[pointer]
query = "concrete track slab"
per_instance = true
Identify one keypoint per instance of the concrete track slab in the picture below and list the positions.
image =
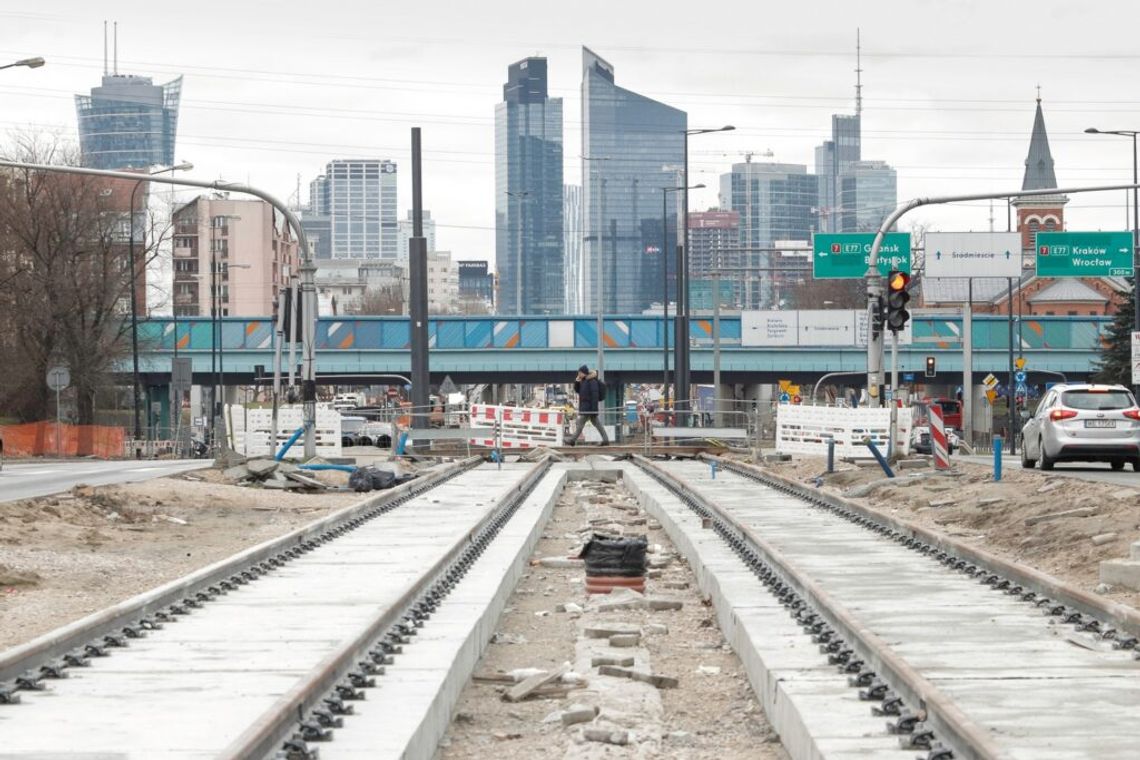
(1011, 669)
(191, 688)
(409, 713)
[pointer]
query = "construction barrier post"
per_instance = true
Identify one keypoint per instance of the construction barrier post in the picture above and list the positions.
(938, 445)
(997, 458)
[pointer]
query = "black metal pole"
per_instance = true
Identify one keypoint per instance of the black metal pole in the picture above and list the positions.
(681, 352)
(1135, 248)
(418, 308)
(134, 312)
(213, 339)
(1011, 396)
(665, 297)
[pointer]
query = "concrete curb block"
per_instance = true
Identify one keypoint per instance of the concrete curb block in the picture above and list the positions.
(505, 566)
(791, 708)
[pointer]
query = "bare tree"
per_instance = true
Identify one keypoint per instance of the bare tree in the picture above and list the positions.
(383, 301)
(828, 294)
(65, 279)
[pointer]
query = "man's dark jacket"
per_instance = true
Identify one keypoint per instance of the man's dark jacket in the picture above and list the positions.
(591, 393)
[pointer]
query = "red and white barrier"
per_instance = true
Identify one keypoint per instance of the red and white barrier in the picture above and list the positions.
(938, 445)
(513, 427)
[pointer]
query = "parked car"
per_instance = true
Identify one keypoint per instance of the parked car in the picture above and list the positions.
(1083, 422)
(922, 443)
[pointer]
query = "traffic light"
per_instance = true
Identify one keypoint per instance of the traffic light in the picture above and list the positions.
(931, 371)
(877, 318)
(897, 299)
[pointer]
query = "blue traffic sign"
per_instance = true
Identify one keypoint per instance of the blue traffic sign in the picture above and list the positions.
(1019, 376)
(785, 398)
(908, 377)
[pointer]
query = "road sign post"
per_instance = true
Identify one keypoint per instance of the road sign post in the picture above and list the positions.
(58, 378)
(845, 256)
(1084, 254)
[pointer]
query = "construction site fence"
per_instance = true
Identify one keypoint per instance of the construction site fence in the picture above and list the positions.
(49, 438)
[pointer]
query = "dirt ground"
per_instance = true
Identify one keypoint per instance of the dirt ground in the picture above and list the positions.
(713, 712)
(65, 556)
(969, 506)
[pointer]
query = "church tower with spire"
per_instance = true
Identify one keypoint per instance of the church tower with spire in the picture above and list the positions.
(1041, 212)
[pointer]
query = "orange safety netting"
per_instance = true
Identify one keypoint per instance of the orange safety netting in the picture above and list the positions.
(47, 438)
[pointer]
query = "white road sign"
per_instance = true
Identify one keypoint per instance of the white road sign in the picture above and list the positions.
(1136, 358)
(58, 378)
(769, 328)
(973, 254)
(990, 381)
(827, 327)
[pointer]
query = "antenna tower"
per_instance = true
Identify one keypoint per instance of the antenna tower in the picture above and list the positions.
(858, 74)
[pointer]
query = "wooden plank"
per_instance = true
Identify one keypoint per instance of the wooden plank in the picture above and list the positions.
(521, 691)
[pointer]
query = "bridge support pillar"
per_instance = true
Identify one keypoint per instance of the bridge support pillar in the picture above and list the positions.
(159, 413)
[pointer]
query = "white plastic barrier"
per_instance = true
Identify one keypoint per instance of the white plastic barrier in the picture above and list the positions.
(251, 430)
(521, 428)
(807, 429)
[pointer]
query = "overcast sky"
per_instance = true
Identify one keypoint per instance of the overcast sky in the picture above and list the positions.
(273, 90)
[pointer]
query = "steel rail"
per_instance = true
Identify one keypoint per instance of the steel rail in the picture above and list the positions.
(968, 740)
(276, 724)
(1120, 616)
(62, 641)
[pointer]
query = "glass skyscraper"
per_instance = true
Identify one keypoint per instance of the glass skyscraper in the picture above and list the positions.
(832, 158)
(529, 255)
(775, 202)
(572, 244)
(128, 122)
(632, 147)
(358, 197)
(868, 192)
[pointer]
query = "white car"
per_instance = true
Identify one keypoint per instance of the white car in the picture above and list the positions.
(1083, 422)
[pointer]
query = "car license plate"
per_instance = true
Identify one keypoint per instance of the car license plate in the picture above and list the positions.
(1100, 423)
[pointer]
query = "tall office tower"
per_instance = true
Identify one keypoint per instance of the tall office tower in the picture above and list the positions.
(868, 191)
(359, 199)
(715, 254)
(127, 122)
(572, 245)
(407, 226)
(528, 193)
(632, 148)
(775, 202)
(831, 161)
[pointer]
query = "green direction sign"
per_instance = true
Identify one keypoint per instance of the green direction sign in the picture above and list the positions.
(1084, 254)
(845, 256)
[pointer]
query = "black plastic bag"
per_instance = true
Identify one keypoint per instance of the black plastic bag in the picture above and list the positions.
(365, 479)
(606, 555)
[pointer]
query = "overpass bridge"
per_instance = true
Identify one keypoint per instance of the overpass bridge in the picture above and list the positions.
(542, 349)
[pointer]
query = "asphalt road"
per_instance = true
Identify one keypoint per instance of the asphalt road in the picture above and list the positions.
(27, 480)
(1095, 471)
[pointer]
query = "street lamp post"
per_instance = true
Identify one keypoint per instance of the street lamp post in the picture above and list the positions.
(681, 354)
(1135, 220)
(665, 286)
(31, 63)
(599, 239)
(184, 166)
(519, 196)
(216, 344)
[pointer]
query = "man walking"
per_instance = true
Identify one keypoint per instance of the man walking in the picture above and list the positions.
(591, 400)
